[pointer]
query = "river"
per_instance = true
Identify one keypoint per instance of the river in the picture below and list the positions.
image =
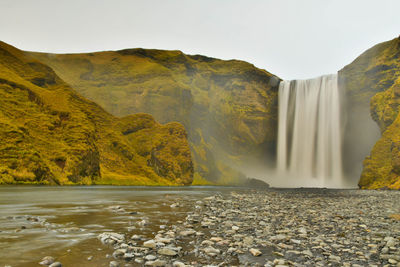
(64, 222)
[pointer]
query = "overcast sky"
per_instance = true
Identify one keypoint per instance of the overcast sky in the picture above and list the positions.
(290, 38)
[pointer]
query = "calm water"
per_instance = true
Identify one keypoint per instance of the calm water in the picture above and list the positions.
(64, 222)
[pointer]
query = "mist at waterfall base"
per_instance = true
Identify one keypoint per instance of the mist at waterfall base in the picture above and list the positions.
(323, 137)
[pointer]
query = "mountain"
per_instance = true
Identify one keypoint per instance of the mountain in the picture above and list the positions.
(52, 135)
(372, 82)
(229, 108)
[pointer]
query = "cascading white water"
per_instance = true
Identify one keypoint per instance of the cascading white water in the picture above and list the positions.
(309, 132)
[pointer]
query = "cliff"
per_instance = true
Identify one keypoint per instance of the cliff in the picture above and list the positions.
(373, 78)
(229, 108)
(51, 135)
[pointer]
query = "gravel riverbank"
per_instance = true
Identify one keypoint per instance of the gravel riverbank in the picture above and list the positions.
(303, 227)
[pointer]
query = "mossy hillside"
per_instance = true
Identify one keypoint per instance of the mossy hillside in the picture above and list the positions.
(229, 108)
(51, 135)
(374, 71)
(382, 167)
(375, 76)
(160, 145)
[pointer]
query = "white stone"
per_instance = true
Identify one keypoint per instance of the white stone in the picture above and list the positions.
(150, 244)
(255, 252)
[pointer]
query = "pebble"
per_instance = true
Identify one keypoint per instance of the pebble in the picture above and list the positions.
(142, 223)
(110, 238)
(167, 252)
(178, 264)
(334, 258)
(140, 261)
(119, 253)
(307, 252)
(150, 244)
(390, 241)
(255, 252)
(207, 243)
(216, 239)
(211, 251)
(128, 256)
(136, 237)
(47, 260)
(150, 257)
(156, 263)
(187, 232)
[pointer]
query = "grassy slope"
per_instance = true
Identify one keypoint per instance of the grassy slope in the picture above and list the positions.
(51, 135)
(375, 75)
(229, 108)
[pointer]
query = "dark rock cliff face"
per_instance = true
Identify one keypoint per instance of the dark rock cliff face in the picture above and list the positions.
(372, 93)
(229, 108)
(51, 135)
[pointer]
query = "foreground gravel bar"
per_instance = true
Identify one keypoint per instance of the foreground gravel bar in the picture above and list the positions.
(297, 227)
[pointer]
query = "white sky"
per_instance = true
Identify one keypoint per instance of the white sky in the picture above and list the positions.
(290, 38)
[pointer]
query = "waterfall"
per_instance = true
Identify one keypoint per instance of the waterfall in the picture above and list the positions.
(309, 132)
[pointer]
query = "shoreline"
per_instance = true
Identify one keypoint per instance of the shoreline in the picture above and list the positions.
(232, 230)
(200, 226)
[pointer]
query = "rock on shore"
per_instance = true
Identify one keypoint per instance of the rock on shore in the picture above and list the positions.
(274, 228)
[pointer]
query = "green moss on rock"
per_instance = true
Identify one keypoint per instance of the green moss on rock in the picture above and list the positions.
(229, 108)
(374, 78)
(51, 135)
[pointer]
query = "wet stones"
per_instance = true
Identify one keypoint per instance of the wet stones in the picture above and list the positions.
(110, 238)
(50, 261)
(114, 264)
(273, 228)
(47, 260)
(119, 253)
